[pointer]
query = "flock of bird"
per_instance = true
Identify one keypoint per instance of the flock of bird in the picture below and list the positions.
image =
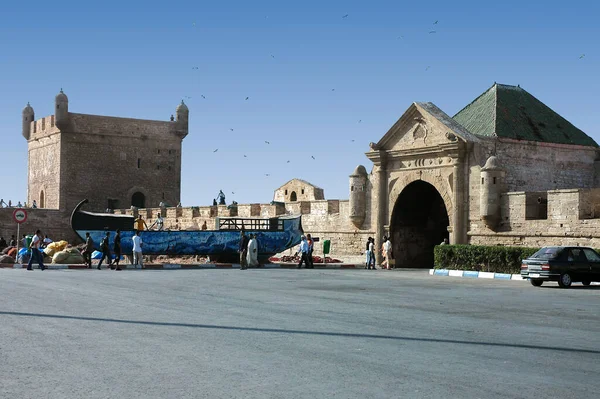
(345, 16)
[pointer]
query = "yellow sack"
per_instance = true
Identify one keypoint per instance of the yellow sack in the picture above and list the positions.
(54, 247)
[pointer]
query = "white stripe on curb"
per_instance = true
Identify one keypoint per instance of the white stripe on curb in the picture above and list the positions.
(474, 274)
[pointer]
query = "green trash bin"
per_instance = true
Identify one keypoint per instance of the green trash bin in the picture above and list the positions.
(29, 238)
(326, 246)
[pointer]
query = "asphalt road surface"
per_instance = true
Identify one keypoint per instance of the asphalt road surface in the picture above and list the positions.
(293, 334)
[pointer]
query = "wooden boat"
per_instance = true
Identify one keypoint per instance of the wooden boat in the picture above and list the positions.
(274, 235)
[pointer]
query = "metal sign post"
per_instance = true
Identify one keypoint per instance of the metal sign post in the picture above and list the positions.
(19, 216)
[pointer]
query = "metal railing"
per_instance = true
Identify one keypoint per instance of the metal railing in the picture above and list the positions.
(274, 224)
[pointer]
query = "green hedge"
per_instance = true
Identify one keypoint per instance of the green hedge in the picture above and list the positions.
(481, 258)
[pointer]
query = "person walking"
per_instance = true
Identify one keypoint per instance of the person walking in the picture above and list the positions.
(105, 248)
(35, 251)
(253, 251)
(140, 223)
(243, 249)
(159, 223)
(303, 250)
(137, 250)
(87, 250)
(12, 241)
(386, 251)
(311, 244)
(117, 251)
(368, 254)
(370, 251)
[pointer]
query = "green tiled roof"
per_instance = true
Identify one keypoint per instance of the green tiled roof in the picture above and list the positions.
(511, 112)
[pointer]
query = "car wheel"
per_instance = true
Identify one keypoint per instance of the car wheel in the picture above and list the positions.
(536, 282)
(564, 281)
(586, 282)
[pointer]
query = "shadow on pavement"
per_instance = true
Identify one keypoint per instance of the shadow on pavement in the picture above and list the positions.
(303, 332)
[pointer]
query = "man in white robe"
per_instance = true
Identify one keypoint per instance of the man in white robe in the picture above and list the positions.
(252, 251)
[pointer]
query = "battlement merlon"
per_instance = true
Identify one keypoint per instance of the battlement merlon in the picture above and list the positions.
(65, 121)
(106, 125)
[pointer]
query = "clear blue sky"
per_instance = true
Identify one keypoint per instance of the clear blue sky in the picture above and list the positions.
(136, 59)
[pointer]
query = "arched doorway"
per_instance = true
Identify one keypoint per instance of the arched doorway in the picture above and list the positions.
(419, 222)
(42, 199)
(293, 196)
(138, 200)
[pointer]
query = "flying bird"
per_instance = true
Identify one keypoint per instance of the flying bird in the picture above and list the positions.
(194, 67)
(231, 130)
(431, 31)
(247, 98)
(266, 174)
(581, 56)
(427, 69)
(288, 161)
(267, 142)
(353, 141)
(400, 37)
(435, 23)
(232, 192)
(193, 24)
(202, 95)
(272, 56)
(312, 157)
(188, 97)
(360, 120)
(332, 89)
(216, 150)
(245, 156)
(345, 16)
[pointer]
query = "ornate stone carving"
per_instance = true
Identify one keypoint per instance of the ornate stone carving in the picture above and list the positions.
(420, 131)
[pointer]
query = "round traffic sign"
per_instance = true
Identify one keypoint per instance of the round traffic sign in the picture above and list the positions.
(20, 215)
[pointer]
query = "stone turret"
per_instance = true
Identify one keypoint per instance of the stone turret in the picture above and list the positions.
(358, 196)
(492, 185)
(28, 117)
(61, 110)
(182, 120)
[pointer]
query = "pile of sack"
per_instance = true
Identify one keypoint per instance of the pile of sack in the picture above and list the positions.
(6, 256)
(62, 255)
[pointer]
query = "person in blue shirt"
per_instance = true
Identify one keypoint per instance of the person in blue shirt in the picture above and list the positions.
(304, 251)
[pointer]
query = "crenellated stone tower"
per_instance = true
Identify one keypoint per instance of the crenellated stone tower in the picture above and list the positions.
(113, 162)
(358, 196)
(492, 185)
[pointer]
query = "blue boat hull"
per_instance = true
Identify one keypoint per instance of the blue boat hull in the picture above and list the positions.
(220, 245)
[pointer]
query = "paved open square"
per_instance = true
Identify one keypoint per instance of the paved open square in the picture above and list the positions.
(293, 334)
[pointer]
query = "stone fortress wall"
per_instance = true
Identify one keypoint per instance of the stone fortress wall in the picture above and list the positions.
(570, 217)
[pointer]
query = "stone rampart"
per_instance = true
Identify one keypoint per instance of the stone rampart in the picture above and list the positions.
(535, 219)
(52, 222)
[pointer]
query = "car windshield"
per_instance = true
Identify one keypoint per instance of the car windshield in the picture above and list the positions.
(547, 253)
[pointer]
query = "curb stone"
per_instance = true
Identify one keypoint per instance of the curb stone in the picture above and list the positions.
(474, 274)
(174, 266)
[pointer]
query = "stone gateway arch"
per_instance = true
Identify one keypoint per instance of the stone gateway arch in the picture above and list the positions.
(505, 170)
(419, 178)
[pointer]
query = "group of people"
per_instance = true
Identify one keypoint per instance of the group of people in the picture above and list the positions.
(106, 252)
(386, 252)
(140, 223)
(19, 205)
(305, 250)
(248, 251)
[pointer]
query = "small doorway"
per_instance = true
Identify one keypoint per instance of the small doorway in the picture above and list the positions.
(42, 199)
(293, 196)
(138, 200)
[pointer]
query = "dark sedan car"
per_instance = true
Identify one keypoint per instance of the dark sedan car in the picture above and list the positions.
(562, 264)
